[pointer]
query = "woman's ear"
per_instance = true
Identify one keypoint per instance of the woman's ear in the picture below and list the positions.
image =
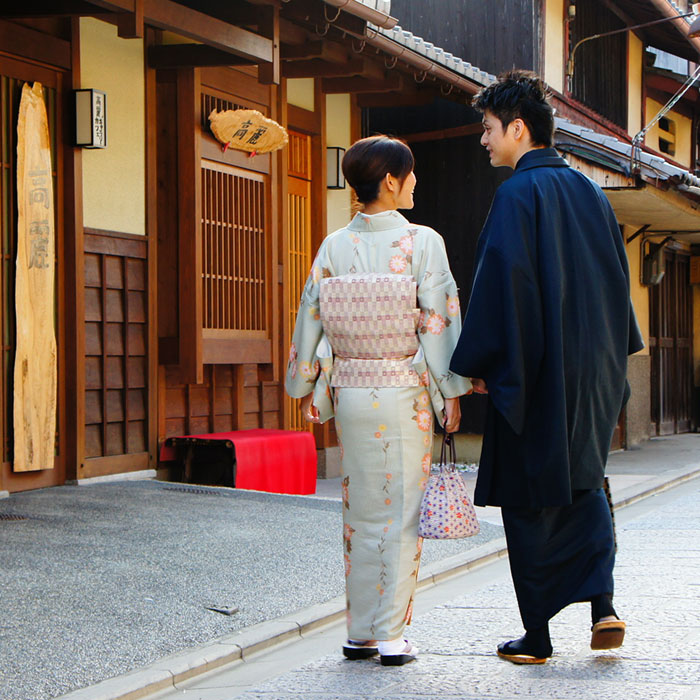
(390, 183)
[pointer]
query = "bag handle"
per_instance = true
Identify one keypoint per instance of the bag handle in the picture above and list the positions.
(448, 444)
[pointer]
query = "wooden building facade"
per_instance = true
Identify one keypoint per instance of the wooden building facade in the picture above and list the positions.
(613, 92)
(180, 264)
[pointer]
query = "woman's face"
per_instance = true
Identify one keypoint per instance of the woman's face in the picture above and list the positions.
(404, 198)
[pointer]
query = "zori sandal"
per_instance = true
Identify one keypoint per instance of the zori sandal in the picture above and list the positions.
(608, 633)
(356, 651)
(408, 653)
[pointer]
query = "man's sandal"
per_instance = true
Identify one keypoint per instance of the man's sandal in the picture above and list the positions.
(608, 633)
(519, 651)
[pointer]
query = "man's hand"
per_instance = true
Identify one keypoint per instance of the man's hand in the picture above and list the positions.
(308, 410)
(453, 415)
(478, 386)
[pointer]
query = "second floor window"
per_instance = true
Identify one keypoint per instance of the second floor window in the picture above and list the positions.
(600, 73)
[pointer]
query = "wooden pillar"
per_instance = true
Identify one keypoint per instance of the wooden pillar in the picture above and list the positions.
(154, 377)
(75, 292)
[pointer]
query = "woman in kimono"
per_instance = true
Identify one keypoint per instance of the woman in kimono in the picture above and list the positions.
(378, 321)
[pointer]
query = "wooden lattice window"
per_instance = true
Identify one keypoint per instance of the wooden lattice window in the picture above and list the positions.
(299, 242)
(212, 102)
(233, 249)
(600, 70)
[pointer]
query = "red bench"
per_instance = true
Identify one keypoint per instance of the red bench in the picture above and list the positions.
(276, 461)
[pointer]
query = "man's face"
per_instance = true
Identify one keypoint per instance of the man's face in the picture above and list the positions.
(499, 142)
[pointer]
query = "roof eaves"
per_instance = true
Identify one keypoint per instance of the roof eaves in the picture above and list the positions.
(660, 167)
(374, 11)
(432, 59)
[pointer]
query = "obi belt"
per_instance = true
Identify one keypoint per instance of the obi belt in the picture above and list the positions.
(370, 320)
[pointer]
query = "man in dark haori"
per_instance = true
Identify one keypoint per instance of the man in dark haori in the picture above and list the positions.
(546, 335)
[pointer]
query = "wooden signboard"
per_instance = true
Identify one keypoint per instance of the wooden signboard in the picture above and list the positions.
(35, 359)
(247, 130)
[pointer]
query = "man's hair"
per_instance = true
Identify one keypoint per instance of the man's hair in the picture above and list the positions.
(520, 94)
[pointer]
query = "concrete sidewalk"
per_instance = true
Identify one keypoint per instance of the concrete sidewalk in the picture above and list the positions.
(110, 587)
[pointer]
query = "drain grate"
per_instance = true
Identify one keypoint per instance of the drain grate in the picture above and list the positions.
(190, 489)
(12, 516)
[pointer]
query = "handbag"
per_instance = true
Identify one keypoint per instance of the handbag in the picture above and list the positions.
(447, 511)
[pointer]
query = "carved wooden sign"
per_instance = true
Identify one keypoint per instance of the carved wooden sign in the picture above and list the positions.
(35, 359)
(247, 130)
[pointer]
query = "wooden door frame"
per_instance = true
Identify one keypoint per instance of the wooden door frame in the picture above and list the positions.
(658, 312)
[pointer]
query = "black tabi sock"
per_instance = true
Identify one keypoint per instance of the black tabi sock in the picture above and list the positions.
(601, 606)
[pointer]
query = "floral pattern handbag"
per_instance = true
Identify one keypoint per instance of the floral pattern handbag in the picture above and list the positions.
(447, 511)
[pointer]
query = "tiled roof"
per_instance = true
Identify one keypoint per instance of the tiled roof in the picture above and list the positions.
(652, 165)
(425, 48)
(672, 3)
(435, 53)
(381, 5)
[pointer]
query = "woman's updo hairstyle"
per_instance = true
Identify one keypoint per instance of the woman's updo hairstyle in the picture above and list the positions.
(367, 161)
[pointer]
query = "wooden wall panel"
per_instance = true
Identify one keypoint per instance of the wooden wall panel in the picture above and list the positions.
(232, 397)
(116, 369)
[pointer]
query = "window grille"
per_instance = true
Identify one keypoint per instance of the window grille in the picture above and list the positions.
(299, 256)
(234, 255)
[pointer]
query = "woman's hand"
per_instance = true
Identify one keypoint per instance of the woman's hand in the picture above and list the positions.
(453, 415)
(308, 410)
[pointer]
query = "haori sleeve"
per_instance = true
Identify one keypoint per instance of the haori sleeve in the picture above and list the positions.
(303, 367)
(502, 338)
(440, 321)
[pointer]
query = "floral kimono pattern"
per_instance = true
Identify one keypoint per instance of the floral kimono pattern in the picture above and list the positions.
(385, 432)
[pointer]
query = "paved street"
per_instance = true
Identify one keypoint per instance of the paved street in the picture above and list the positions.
(460, 622)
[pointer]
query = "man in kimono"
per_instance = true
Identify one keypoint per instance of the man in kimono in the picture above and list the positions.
(546, 335)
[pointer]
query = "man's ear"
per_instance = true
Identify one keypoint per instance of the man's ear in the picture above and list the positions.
(519, 128)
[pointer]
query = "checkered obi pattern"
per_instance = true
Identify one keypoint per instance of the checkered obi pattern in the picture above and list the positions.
(370, 320)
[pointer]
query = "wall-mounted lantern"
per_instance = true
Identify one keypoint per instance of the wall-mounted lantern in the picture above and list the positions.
(654, 261)
(334, 158)
(90, 118)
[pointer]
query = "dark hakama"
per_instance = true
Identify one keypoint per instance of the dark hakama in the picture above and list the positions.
(560, 555)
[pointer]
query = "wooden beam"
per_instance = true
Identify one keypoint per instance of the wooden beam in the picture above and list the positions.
(29, 43)
(310, 49)
(239, 13)
(46, 8)
(177, 55)
(391, 83)
(114, 5)
(453, 133)
(269, 26)
(317, 68)
(291, 33)
(130, 24)
(171, 16)
(396, 99)
(313, 13)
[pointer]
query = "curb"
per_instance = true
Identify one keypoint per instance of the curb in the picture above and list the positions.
(181, 666)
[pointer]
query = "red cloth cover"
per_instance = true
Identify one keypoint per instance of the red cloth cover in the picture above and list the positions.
(276, 461)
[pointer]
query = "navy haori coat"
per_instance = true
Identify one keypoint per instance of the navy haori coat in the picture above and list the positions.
(548, 327)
